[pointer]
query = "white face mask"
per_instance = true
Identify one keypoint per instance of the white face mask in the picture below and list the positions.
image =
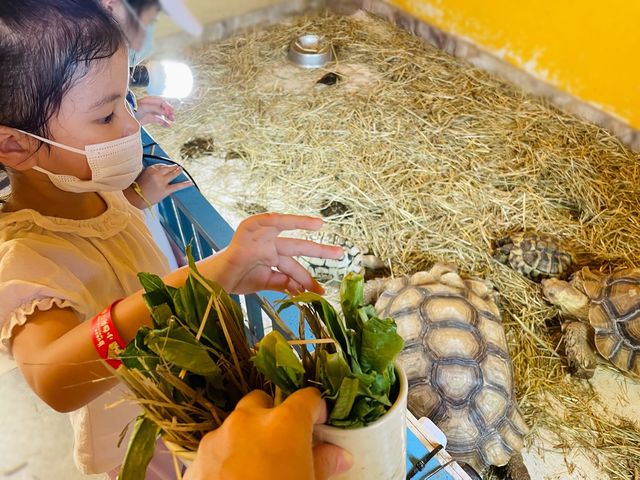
(135, 56)
(114, 165)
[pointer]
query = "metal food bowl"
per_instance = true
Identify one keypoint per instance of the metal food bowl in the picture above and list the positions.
(311, 51)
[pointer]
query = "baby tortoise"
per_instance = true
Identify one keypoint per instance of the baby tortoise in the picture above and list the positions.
(335, 208)
(196, 148)
(355, 259)
(536, 255)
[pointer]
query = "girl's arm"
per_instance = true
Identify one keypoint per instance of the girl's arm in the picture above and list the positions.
(55, 351)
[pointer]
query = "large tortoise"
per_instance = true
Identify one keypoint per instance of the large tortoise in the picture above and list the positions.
(604, 306)
(457, 362)
(535, 255)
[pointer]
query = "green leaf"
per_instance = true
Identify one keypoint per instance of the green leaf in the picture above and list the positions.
(140, 450)
(194, 299)
(135, 353)
(151, 282)
(161, 314)
(332, 370)
(277, 361)
(329, 317)
(351, 299)
(178, 346)
(346, 397)
(380, 344)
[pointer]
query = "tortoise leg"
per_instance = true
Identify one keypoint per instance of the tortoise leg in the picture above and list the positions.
(374, 267)
(373, 289)
(516, 469)
(580, 355)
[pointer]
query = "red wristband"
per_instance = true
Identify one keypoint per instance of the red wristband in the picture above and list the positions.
(106, 339)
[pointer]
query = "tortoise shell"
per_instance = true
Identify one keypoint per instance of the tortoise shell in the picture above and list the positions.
(535, 255)
(614, 313)
(197, 147)
(327, 270)
(457, 362)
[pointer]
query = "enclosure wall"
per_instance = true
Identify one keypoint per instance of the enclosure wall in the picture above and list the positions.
(586, 48)
(209, 11)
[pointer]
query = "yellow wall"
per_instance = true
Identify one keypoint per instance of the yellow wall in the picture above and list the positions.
(589, 48)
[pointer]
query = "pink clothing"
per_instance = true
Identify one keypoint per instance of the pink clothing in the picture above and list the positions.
(83, 265)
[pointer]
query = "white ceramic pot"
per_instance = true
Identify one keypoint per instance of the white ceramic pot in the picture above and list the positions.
(379, 449)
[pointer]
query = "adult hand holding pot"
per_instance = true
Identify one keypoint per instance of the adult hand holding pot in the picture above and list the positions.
(260, 441)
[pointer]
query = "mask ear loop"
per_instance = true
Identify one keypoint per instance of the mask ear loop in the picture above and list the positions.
(55, 144)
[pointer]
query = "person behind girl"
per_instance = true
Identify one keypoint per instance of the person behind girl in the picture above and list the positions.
(70, 244)
(137, 20)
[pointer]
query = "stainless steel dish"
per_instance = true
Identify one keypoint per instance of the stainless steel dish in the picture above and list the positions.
(311, 51)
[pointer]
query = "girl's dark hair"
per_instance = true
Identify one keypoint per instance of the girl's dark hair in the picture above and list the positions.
(45, 47)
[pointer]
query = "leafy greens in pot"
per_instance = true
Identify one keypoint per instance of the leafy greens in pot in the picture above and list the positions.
(355, 372)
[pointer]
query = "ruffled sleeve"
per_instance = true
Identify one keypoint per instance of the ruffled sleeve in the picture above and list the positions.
(30, 280)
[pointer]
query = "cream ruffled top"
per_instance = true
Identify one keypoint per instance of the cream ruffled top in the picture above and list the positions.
(83, 265)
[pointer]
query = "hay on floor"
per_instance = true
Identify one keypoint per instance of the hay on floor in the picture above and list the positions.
(435, 159)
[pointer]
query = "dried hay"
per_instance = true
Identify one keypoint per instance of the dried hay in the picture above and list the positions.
(435, 159)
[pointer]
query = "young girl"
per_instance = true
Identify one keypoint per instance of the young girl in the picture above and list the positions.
(70, 244)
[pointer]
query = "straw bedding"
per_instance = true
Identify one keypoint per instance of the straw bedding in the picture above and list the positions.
(434, 159)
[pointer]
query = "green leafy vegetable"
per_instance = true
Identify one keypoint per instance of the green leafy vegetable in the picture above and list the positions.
(380, 344)
(197, 360)
(178, 346)
(278, 362)
(140, 451)
(357, 378)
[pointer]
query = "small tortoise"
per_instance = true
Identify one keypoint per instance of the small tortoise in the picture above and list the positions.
(355, 259)
(197, 147)
(606, 306)
(457, 362)
(535, 255)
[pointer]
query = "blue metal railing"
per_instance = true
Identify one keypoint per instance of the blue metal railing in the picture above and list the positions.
(189, 218)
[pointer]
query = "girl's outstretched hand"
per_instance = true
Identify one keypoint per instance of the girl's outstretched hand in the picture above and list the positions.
(259, 259)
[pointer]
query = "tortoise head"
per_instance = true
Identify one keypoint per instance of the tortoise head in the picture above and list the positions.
(502, 249)
(571, 301)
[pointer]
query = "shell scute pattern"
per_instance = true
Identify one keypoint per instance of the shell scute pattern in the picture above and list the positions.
(615, 317)
(456, 359)
(328, 270)
(607, 303)
(536, 255)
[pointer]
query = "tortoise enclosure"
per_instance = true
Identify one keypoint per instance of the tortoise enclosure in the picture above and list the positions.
(433, 160)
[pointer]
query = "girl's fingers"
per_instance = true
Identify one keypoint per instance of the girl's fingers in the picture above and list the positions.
(299, 274)
(279, 222)
(171, 171)
(279, 282)
(174, 187)
(161, 120)
(294, 247)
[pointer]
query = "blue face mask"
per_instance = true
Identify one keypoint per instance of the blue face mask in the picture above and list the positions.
(138, 56)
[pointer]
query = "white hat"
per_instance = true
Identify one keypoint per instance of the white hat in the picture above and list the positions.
(180, 14)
